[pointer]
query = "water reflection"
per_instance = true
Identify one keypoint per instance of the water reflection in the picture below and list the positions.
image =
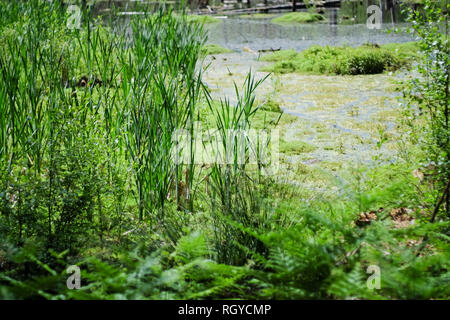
(346, 24)
(236, 33)
(333, 20)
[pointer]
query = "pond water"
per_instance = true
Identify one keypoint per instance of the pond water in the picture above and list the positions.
(345, 24)
(258, 34)
(345, 118)
(348, 120)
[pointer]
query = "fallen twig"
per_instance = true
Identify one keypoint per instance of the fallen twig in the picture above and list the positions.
(269, 50)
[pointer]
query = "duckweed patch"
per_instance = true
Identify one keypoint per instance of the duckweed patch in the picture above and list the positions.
(295, 147)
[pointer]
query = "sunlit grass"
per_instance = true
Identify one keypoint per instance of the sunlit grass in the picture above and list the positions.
(366, 59)
(298, 18)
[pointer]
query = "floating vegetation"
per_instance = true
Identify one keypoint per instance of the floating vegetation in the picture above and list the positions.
(296, 147)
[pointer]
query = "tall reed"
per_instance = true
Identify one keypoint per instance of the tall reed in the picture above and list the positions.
(162, 86)
(236, 195)
(64, 91)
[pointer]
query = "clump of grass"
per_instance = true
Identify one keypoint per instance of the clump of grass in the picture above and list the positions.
(280, 55)
(271, 105)
(214, 49)
(298, 17)
(404, 51)
(257, 16)
(366, 59)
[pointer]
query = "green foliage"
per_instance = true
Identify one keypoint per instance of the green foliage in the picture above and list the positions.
(319, 254)
(49, 160)
(428, 97)
(280, 56)
(367, 59)
(236, 197)
(162, 99)
(406, 51)
(83, 111)
(325, 256)
(88, 175)
(184, 273)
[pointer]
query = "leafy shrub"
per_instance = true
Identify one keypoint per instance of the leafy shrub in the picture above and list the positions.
(427, 96)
